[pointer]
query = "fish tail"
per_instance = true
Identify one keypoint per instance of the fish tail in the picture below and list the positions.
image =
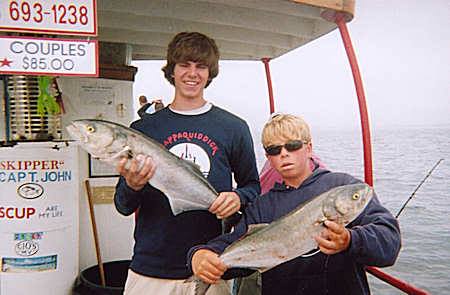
(200, 286)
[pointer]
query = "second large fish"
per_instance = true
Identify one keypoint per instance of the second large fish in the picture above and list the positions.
(181, 181)
(268, 245)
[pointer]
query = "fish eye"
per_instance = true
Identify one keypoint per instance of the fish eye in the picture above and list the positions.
(90, 128)
(355, 196)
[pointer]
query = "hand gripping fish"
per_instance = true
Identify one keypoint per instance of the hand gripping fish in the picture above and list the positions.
(265, 246)
(181, 181)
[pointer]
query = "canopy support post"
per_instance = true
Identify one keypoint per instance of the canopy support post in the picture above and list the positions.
(266, 61)
(368, 176)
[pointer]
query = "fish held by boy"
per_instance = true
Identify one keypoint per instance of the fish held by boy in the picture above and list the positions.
(181, 181)
(265, 246)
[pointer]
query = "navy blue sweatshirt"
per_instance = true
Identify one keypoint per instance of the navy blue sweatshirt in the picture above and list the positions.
(375, 241)
(220, 143)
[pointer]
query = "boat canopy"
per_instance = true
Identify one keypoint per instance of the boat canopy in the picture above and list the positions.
(243, 29)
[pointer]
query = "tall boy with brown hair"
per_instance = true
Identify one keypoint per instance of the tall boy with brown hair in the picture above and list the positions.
(194, 129)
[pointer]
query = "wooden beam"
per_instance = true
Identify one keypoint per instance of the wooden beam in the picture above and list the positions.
(344, 6)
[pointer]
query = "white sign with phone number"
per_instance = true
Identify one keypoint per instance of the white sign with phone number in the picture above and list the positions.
(49, 16)
(46, 56)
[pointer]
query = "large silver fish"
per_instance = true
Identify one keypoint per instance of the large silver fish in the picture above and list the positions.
(181, 181)
(267, 245)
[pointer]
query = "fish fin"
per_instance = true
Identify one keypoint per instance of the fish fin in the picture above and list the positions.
(261, 270)
(254, 228)
(200, 286)
(126, 151)
(193, 167)
(196, 169)
(179, 205)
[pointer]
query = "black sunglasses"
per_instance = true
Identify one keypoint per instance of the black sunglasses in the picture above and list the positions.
(292, 145)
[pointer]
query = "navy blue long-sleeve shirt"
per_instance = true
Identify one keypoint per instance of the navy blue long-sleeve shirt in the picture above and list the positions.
(217, 141)
(375, 241)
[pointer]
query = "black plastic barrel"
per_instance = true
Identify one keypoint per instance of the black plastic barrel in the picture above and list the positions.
(89, 283)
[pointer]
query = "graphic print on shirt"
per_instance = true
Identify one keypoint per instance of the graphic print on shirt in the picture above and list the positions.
(194, 153)
(194, 147)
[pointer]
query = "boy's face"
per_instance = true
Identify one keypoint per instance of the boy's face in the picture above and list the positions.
(292, 165)
(190, 79)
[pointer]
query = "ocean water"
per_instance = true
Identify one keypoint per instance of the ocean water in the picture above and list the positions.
(402, 157)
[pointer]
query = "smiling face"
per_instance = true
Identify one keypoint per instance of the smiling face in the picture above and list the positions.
(190, 79)
(193, 47)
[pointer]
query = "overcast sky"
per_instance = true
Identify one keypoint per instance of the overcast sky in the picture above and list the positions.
(403, 49)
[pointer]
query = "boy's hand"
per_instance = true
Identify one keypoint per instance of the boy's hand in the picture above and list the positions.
(137, 178)
(207, 266)
(226, 204)
(333, 239)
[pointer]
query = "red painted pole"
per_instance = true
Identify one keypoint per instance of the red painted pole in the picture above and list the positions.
(368, 176)
(266, 60)
(399, 284)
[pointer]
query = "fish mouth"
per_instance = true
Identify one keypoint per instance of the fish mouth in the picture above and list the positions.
(76, 133)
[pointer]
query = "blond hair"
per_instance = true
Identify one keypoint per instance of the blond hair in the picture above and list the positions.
(285, 127)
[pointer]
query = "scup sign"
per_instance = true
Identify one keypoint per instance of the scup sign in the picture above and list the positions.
(63, 17)
(46, 56)
(30, 190)
(12, 212)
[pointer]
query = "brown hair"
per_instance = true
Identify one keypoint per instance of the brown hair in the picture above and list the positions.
(195, 47)
(142, 99)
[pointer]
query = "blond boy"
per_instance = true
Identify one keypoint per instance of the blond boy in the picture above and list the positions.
(372, 239)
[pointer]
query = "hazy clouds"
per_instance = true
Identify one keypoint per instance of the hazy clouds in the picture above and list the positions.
(403, 49)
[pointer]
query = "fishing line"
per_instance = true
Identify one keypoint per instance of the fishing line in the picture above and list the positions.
(310, 253)
(417, 188)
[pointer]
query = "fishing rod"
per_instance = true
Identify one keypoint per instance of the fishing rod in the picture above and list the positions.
(405, 287)
(417, 188)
